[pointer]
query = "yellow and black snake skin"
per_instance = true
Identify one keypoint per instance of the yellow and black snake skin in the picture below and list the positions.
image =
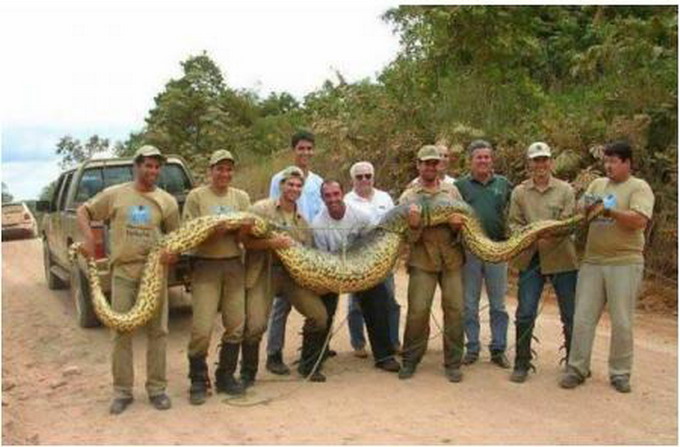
(367, 262)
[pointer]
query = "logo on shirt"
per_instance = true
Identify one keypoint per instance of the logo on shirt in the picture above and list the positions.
(139, 215)
(222, 209)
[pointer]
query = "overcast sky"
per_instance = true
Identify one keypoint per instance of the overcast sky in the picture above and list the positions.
(79, 68)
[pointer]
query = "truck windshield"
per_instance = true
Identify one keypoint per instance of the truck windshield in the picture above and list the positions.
(173, 179)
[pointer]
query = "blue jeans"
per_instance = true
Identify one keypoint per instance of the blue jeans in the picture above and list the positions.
(355, 319)
(495, 278)
(531, 283)
(276, 336)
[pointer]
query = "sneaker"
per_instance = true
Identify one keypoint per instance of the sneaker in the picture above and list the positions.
(389, 365)
(500, 359)
(454, 375)
(407, 371)
(470, 358)
(160, 402)
(620, 383)
(275, 365)
(361, 353)
(571, 379)
(119, 404)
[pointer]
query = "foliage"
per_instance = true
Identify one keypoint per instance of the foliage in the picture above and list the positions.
(73, 151)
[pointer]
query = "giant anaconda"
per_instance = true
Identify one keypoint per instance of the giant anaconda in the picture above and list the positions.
(364, 264)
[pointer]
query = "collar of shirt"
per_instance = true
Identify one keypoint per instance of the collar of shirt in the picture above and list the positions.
(552, 182)
(296, 215)
(491, 180)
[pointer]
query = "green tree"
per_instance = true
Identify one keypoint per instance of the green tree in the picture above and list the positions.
(73, 151)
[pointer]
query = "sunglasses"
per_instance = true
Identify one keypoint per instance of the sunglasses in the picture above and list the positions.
(363, 176)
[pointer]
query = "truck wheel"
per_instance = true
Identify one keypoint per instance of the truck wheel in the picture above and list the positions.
(80, 291)
(53, 281)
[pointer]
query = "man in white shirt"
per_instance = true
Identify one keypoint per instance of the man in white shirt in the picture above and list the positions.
(335, 228)
(375, 203)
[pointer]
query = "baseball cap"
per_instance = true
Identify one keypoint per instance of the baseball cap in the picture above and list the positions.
(219, 155)
(292, 171)
(148, 151)
(429, 152)
(538, 149)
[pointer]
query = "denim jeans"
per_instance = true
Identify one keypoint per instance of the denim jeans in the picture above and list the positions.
(531, 283)
(495, 276)
(276, 336)
(355, 319)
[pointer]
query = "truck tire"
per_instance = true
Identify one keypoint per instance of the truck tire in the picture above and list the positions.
(80, 291)
(52, 280)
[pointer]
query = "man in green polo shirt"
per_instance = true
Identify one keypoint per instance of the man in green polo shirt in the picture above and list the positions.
(488, 194)
(217, 281)
(611, 272)
(542, 197)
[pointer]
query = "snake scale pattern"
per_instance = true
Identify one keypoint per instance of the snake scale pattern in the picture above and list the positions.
(367, 262)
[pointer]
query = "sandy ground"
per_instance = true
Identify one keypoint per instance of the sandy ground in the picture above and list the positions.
(56, 387)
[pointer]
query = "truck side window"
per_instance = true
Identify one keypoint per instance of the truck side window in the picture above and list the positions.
(114, 175)
(174, 180)
(64, 191)
(55, 193)
(90, 184)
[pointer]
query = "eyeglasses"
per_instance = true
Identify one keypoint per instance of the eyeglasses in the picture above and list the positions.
(363, 176)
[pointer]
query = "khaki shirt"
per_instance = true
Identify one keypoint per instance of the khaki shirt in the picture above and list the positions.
(438, 248)
(295, 226)
(203, 201)
(529, 204)
(137, 219)
(609, 242)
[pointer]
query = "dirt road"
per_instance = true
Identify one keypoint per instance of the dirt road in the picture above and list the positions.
(56, 387)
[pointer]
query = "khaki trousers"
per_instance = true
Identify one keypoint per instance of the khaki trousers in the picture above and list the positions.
(216, 286)
(421, 288)
(123, 297)
(278, 282)
(617, 286)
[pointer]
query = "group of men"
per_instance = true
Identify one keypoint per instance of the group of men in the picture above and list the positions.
(239, 277)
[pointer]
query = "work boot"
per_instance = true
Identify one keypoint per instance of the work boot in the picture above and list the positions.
(200, 381)
(312, 347)
(470, 357)
(275, 364)
(224, 374)
(454, 374)
(161, 401)
(499, 358)
(621, 383)
(571, 378)
(407, 370)
(120, 404)
(389, 365)
(523, 335)
(250, 358)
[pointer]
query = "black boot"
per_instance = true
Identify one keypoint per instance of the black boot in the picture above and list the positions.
(250, 357)
(523, 335)
(200, 381)
(224, 374)
(275, 364)
(312, 346)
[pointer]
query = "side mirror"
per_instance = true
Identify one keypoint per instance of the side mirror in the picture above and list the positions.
(43, 206)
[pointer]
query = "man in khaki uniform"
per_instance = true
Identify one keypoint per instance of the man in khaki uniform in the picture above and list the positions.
(217, 282)
(266, 278)
(139, 214)
(435, 258)
(542, 197)
(612, 269)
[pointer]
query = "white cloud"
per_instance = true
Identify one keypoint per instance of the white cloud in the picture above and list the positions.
(26, 180)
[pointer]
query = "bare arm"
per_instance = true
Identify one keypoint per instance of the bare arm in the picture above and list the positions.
(628, 219)
(83, 219)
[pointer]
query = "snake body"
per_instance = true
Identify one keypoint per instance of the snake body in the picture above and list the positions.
(367, 262)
